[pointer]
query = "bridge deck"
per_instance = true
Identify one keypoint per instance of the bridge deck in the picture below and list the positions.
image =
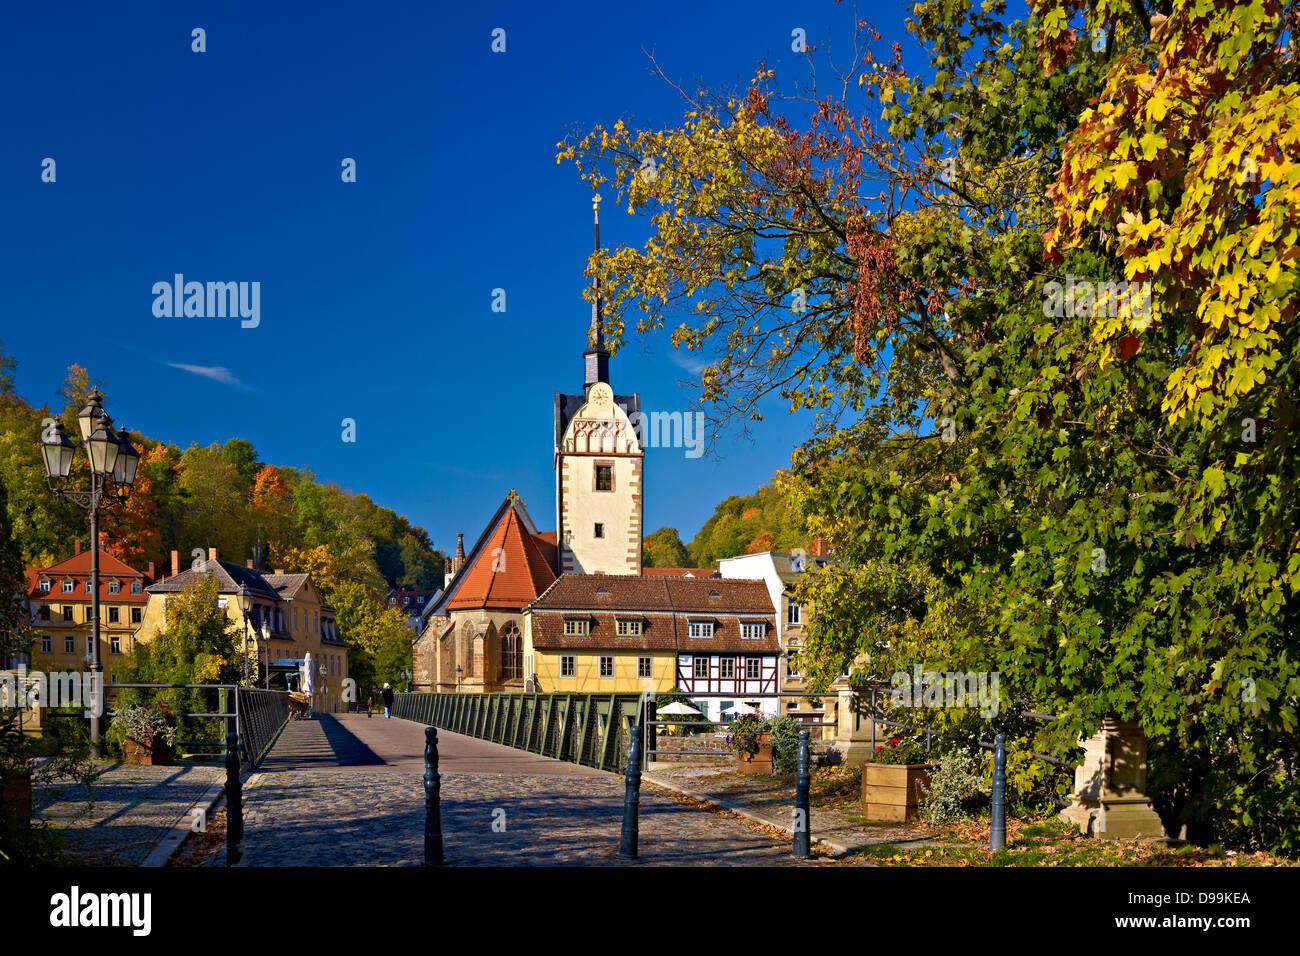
(347, 790)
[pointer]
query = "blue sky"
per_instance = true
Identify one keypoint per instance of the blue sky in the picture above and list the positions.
(375, 295)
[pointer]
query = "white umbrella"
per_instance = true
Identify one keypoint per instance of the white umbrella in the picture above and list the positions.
(678, 708)
(309, 680)
(741, 709)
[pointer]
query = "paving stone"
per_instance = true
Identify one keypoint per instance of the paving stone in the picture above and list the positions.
(126, 811)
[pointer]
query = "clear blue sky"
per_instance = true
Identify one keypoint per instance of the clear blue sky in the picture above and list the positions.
(375, 296)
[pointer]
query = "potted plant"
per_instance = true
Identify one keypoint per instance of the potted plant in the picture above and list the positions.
(751, 741)
(894, 781)
(147, 733)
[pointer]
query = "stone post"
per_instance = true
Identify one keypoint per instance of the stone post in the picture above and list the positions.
(1109, 799)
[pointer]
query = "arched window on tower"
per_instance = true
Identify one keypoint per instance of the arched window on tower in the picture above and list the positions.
(512, 653)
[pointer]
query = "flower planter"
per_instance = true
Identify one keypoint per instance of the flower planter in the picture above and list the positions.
(151, 752)
(760, 762)
(17, 794)
(893, 791)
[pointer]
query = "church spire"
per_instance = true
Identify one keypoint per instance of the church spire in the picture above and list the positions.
(596, 357)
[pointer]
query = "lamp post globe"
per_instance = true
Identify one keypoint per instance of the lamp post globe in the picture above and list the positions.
(57, 452)
(128, 460)
(103, 449)
(90, 417)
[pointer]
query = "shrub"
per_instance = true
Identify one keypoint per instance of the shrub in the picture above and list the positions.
(956, 779)
(143, 723)
(785, 743)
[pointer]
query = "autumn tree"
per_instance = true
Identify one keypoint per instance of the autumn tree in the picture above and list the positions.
(1015, 480)
(664, 549)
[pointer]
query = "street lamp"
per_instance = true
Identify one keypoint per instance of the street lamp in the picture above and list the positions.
(113, 462)
(266, 646)
(244, 601)
(458, 678)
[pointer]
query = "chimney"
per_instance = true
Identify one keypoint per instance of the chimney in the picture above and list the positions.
(212, 554)
(176, 563)
(151, 577)
(76, 547)
(819, 546)
(250, 564)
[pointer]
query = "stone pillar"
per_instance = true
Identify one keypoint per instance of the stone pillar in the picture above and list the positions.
(1110, 801)
(853, 736)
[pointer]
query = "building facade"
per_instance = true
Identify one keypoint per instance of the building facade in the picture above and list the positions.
(59, 600)
(714, 639)
(781, 575)
(286, 619)
(473, 638)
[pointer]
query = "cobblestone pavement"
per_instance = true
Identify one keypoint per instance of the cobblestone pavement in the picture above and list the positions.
(772, 799)
(346, 818)
(133, 808)
(500, 806)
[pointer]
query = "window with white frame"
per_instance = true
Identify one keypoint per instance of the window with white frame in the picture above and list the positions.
(137, 587)
(701, 667)
(68, 587)
(45, 587)
(701, 629)
(575, 626)
(629, 628)
(115, 644)
(753, 668)
(45, 643)
(606, 665)
(69, 645)
(645, 668)
(793, 613)
(752, 631)
(727, 668)
(87, 585)
(568, 665)
(114, 587)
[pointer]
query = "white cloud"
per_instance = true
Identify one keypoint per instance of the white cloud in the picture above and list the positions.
(218, 373)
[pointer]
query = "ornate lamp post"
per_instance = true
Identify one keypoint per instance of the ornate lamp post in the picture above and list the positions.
(458, 673)
(113, 462)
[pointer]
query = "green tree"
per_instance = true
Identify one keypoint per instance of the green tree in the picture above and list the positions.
(664, 549)
(1008, 482)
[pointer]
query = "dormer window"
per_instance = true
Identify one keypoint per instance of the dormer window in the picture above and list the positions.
(69, 587)
(714, 594)
(628, 627)
(752, 631)
(88, 585)
(701, 629)
(45, 587)
(137, 587)
(114, 587)
(576, 627)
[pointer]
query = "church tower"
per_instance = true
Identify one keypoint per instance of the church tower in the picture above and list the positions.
(598, 464)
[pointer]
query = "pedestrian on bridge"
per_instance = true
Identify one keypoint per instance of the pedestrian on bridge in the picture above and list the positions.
(370, 705)
(387, 694)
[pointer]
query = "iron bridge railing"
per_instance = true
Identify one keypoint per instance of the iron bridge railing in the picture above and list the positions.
(588, 729)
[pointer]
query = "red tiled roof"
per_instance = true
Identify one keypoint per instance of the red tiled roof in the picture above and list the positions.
(508, 571)
(77, 567)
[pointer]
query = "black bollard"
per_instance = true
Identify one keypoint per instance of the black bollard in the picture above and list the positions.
(432, 800)
(802, 815)
(627, 842)
(998, 823)
(234, 804)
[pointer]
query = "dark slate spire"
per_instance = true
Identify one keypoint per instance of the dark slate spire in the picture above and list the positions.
(596, 358)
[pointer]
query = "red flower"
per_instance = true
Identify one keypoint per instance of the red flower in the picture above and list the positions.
(880, 748)
(894, 741)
